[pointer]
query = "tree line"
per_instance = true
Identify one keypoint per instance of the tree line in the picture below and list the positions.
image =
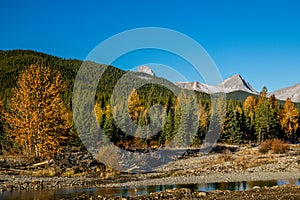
(252, 121)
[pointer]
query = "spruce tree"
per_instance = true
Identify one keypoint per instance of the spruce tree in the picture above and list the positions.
(109, 127)
(231, 132)
(168, 129)
(265, 119)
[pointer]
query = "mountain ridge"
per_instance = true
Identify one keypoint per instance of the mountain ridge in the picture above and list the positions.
(231, 84)
(237, 83)
(12, 62)
(292, 92)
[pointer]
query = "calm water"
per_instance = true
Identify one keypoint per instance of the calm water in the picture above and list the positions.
(132, 191)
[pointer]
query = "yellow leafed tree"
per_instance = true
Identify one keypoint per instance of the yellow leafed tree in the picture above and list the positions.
(289, 118)
(98, 112)
(37, 117)
(135, 106)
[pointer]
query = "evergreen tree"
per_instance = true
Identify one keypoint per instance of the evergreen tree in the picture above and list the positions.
(177, 122)
(187, 127)
(265, 119)
(109, 127)
(168, 130)
(141, 133)
(231, 132)
(274, 117)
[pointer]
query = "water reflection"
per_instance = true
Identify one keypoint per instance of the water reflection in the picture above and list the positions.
(133, 191)
(223, 186)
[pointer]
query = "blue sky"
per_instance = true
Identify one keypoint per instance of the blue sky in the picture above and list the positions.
(258, 39)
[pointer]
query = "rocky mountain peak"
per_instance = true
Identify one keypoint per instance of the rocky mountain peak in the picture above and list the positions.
(292, 92)
(146, 70)
(236, 82)
(231, 84)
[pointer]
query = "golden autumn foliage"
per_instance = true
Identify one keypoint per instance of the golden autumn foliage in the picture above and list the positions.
(289, 118)
(99, 113)
(203, 116)
(135, 106)
(37, 117)
(250, 105)
(2, 136)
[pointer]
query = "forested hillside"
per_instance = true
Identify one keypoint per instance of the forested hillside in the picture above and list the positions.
(246, 118)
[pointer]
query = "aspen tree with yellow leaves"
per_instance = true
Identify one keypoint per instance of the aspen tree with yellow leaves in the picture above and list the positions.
(37, 117)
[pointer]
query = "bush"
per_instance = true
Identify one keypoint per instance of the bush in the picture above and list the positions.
(276, 145)
(265, 146)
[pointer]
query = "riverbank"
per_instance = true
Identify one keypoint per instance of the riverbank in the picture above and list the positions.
(277, 192)
(211, 178)
(226, 164)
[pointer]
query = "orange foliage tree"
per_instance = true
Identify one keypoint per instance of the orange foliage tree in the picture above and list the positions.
(135, 106)
(289, 119)
(37, 117)
(249, 107)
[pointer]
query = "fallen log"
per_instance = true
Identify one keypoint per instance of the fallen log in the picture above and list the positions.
(43, 163)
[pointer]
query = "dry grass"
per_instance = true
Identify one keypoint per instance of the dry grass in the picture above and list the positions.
(224, 157)
(259, 162)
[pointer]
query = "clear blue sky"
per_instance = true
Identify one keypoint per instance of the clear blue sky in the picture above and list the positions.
(258, 39)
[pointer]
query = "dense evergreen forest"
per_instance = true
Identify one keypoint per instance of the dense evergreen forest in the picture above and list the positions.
(246, 119)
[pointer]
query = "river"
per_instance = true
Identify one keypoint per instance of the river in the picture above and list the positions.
(133, 191)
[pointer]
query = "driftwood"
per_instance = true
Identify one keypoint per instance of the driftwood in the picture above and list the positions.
(14, 170)
(25, 168)
(78, 160)
(43, 163)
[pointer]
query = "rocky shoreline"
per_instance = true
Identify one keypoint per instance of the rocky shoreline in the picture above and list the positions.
(18, 183)
(276, 192)
(211, 178)
(244, 164)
